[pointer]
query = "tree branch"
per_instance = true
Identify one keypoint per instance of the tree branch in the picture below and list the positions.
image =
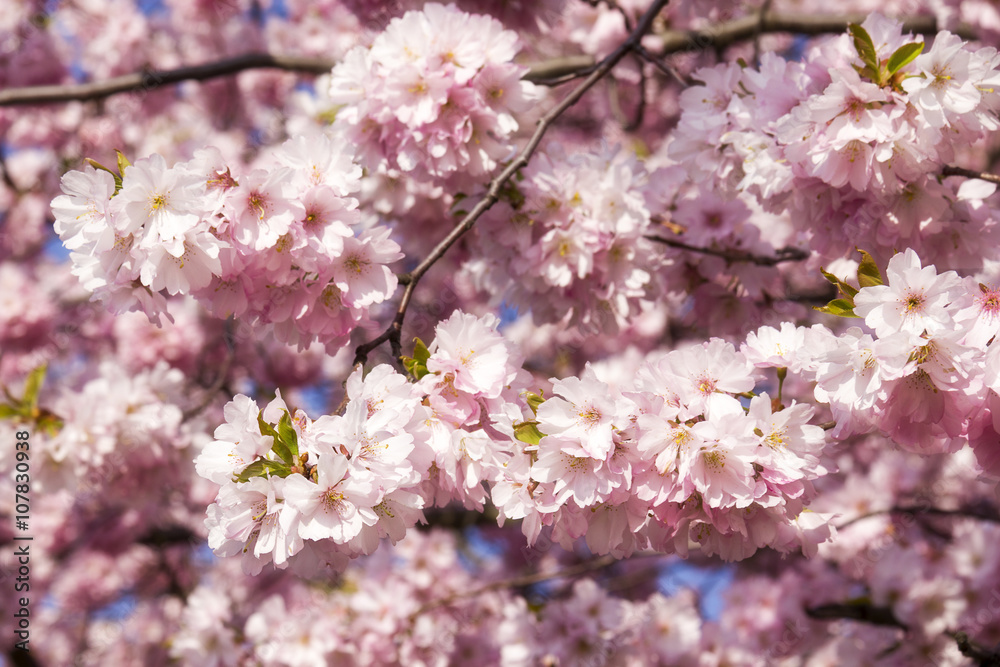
(787, 254)
(988, 514)
(393, 333)
(865, 612)
(983, 656)
(550, 72)
(949, 170)
(750, 27)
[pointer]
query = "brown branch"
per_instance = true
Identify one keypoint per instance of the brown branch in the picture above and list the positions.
(220, 381)
(983, 656)
(550, 72)
(749, 27)
(865, 612)
(949, 170)
(393, 333)
(988, 514)
(149, 79)
(787, 254)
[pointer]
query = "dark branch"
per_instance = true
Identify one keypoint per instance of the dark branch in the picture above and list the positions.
(970, 649)
(393, 333)
(750, 27)
(987, 514)
(148, 80)
(969, 173)
(865, 612)
(788, 254)
(551, 72)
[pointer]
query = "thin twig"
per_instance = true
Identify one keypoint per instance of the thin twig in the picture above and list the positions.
(656, 62)
(787, 254)
(949, 170)
(393, 333)
(220, 381)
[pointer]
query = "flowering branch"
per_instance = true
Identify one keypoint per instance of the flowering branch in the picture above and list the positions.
(550, 72)
(787, 254)
(393, 333)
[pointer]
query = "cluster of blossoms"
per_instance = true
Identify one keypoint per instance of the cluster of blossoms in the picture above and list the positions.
(330, 487)
(926, 375)
(336, 485)
(281, 245)
(434, 96)
(569, 241)
(423, 606)
(853, 135)
(672, 458)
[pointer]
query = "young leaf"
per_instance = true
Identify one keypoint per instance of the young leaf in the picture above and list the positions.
(9, 411)
(528, 433)
(417, 364)
(534, 400)
(903, 56)
(31, 388)
(865, 47)
(868, 271)
(122, 162)
(838, 307)
(255, 469)
(289, 437)
(420, 351)
(847, 290)
(97, 165)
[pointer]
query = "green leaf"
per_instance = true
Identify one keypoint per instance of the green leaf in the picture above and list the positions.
(265, 428)
(838, 307)
(528, 433)
(263, 468)
(31, 388)
(868, 271)
(122, 162)
(289, 437)
(97, 165)
(903, 56)
(420, 352)
(847, 290)
(417, 364)
(865, 46)
(9, 411)
(534, 400)
(256, 469)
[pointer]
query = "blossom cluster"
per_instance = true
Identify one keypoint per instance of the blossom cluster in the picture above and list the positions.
(434, 96)
(923, 374)
(855, 136)
(675, 457)
(671, 459)
(569, 241)
(281, 245)
(335, 485)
